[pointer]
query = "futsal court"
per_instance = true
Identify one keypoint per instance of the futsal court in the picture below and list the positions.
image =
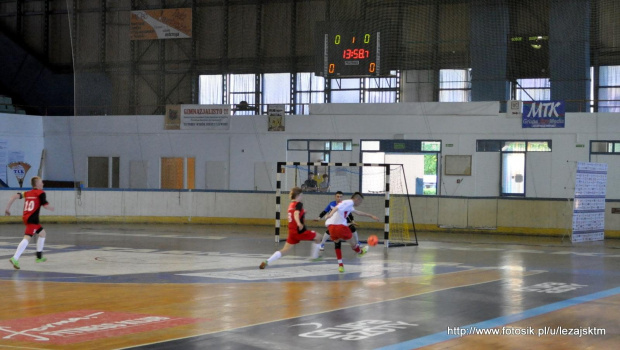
(136, 286)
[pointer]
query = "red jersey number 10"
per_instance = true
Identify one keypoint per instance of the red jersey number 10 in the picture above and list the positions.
(28, 206)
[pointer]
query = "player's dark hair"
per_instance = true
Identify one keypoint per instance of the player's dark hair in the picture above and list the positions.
(295, 192)
(339, 192)
(356, 195)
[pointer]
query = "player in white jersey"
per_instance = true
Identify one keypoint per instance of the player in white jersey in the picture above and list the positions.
(338, 226)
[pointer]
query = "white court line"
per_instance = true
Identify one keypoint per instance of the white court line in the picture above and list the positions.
(100, 233)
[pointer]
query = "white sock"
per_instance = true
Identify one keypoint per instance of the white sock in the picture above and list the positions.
(325, 238)
(314, 250)
(357, 239)
(20, 248)
(277, 255)
(40, 244)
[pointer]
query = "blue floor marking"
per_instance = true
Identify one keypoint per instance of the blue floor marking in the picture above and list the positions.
(501, 321)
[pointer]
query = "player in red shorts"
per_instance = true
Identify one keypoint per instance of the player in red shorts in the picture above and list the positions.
(338, 226)
(297, 231)
(34, 200)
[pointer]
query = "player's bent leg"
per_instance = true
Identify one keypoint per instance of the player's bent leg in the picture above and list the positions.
(21, 247)
(275, 256)
(325, 238)
(354, 232)
(337, 247)
(318, 238)
(363, 251)
(40, 245)
(316, 246)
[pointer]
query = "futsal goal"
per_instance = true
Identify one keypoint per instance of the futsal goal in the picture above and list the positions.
(384, 187)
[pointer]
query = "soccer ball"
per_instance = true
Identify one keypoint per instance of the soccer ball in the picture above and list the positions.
(373, 240)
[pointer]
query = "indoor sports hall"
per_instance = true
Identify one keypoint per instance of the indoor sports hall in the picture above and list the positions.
(149, 150)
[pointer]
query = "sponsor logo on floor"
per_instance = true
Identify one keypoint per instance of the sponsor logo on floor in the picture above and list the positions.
(84, 325)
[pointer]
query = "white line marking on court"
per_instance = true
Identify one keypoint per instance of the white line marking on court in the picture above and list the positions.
(21, 347)
(180, 236)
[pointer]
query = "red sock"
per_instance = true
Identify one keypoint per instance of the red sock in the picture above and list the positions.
(357, 248)
(339, 256)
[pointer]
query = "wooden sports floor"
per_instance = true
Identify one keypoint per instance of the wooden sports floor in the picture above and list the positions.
(199, 287)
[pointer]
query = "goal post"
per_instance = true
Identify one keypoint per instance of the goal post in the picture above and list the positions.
(384, 187)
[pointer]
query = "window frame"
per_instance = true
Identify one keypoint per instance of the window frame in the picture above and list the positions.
(501, 143)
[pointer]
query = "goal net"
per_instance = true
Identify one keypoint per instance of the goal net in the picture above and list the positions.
(384, 187)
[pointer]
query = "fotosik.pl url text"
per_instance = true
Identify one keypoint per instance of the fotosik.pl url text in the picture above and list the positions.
(576, 332)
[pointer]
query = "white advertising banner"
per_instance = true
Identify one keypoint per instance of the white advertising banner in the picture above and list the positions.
(589, 204)
(205, 117)
(4, 153)
(514, 108)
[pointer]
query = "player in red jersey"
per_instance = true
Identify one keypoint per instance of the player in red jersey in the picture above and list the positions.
(297, 231)
(34, 200)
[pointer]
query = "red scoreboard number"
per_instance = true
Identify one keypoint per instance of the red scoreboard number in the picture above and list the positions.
(352, 54)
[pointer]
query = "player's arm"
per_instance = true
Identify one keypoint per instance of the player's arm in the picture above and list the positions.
(44, 203)
(350, 219)
(324, 212)
(297, 216)
(361, 213)
(298, 220)
(331, 212)
(13, 198)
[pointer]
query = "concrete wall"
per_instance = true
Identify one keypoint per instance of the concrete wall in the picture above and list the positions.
(487, 215)
(249, 152)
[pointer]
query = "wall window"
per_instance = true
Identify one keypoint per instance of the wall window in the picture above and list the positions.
(381, 90)
(341, 145)
(178, 173)
(324, 151)
(103, 172)
(276, 90)
(319, 147)
(605, 147)
(609, 89)
(533, 89)
(211, 90)
(242, 93)
(455, 85)
(309, 89)
(240, 90)
(345, 90)
(513, 153)
(513, 146)
(420, 160)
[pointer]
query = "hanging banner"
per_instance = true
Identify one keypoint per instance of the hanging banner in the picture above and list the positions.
(514, 108)
(205, 117)
(589, 204)
(275, 115)
(543, 114)
(4, 152)
(173, 117)
(20, 169)
(161, 24)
